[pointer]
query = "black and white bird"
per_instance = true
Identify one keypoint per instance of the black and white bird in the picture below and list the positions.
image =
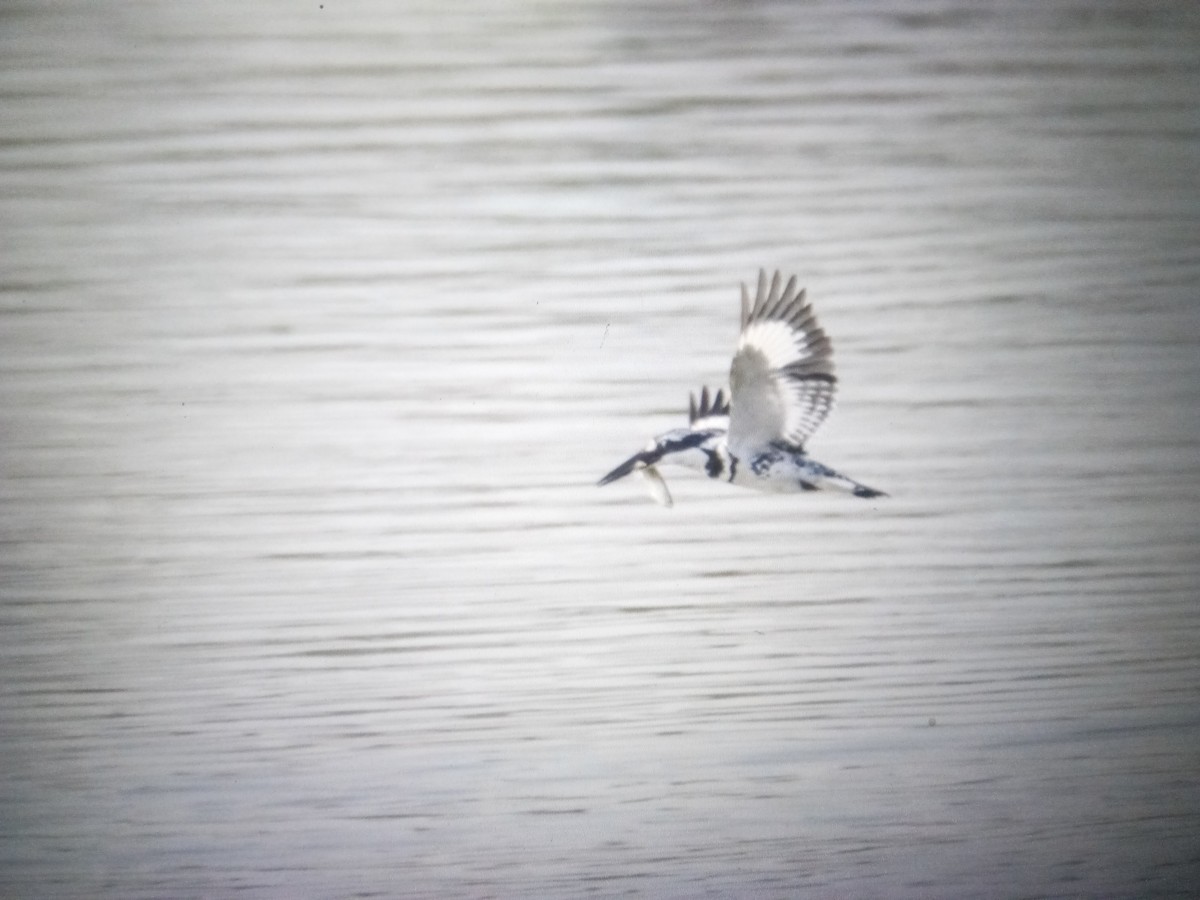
(781, 388)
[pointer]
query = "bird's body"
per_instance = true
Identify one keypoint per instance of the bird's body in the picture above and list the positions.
(781, 389)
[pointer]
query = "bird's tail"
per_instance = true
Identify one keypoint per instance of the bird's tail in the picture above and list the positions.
(840, 482)
(861, 490)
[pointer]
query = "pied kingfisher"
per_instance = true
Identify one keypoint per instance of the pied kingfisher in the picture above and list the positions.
(781, 387)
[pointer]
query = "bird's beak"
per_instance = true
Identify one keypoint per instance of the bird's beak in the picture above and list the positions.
(637, 461)
(643, 462)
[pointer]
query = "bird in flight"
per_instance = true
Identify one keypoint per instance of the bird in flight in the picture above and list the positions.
(781, 388)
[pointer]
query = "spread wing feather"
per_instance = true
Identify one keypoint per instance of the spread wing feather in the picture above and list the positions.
(710, 413)
(782, 384)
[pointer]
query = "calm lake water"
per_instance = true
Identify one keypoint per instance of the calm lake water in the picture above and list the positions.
(319, 321)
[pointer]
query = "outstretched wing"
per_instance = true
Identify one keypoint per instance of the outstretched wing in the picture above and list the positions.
(781, 382)
(709, 414)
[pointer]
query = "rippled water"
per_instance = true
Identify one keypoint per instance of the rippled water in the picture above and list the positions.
(319, 321)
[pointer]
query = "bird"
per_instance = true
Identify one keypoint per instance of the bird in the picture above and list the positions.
(781, 388)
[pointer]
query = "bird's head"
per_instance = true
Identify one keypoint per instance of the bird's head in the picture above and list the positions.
(680, 447)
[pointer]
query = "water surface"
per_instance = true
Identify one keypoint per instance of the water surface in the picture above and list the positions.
(319, 322)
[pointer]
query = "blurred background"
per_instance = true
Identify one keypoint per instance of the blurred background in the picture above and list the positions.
(320, 320)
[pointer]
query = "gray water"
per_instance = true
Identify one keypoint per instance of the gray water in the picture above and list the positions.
(318, 323)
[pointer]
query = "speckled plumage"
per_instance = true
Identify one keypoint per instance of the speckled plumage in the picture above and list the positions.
(782, 386)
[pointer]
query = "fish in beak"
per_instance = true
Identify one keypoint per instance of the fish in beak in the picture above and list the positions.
(637, 461)
(643, 462)
(657, 486)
